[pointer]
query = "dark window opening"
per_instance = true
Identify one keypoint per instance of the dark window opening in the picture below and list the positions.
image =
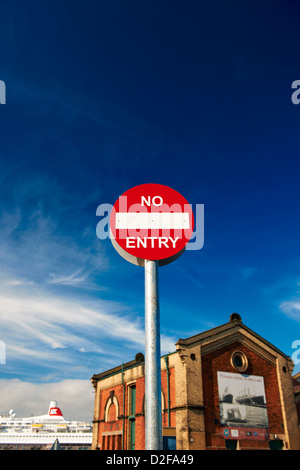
(238, 362)
(230, 444)
(276, 444)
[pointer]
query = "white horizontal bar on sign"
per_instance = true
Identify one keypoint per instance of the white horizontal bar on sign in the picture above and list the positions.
(152, 220)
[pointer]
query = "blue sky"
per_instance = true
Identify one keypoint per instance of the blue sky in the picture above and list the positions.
(103, 96)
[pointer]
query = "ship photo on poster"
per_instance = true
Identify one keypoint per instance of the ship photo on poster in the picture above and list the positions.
(243, 407)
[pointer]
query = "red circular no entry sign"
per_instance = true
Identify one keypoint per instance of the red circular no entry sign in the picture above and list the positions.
(151, 222)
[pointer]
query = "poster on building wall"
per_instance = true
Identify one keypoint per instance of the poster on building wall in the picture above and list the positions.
(243, 407)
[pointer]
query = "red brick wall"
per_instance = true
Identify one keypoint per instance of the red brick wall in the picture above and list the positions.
(172, 397)
(117, 425)
(220, 361)
(140, 420)
(114, 425)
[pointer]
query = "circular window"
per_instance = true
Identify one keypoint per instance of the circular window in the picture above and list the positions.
(239, 361)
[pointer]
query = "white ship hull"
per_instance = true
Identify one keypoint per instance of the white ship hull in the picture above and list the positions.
(40, 439)
(43, 431)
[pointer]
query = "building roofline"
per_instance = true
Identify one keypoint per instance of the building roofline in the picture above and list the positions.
(232, 324)
(139, 360)
(117, 369)
(235, 323)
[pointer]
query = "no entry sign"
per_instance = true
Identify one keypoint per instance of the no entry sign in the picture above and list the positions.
(151, 222)
(150, 226)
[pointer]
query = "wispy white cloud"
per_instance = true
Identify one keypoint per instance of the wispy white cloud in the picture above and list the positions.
(41, 329)
(47, 320)
(51, 320)
(291, 308)
(42, 240)
(73, 279)
(74, 397)
(18, 282)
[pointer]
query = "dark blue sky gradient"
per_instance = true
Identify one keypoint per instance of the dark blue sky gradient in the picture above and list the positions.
(103, 96)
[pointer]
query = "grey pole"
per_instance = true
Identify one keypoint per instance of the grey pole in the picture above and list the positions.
(153, 424)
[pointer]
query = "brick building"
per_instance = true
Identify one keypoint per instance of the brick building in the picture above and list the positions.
(225, 388)
(296, 382)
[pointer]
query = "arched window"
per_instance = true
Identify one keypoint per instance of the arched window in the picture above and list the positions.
(111, 411)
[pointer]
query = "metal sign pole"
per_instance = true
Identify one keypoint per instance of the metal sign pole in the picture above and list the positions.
(142, 250)
(153, 423)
